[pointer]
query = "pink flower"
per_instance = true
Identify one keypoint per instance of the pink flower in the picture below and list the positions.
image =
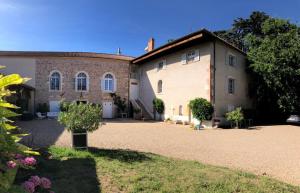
(11, 164)
(29, 161)
(35, 180)
(45, 183)
(29, 187)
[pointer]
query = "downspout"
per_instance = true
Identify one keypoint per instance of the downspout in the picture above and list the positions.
(214, 77)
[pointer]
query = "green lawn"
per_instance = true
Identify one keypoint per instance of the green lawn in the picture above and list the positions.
(127, 171)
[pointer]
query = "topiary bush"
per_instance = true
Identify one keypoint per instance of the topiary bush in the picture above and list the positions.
(201, 109)
(81, 117)
(158, 106)
(236, 116)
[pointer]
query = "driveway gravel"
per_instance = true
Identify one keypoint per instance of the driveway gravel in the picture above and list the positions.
(264, 150)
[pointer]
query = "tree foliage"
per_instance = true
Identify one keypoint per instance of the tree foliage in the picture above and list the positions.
(275, 60)
(119, 102)
(201, 109)
(241, 27)
(158, 105)
(81, 117)
(9, 135)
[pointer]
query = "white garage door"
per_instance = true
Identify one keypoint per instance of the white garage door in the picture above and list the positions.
(107, 108)
(54, 106)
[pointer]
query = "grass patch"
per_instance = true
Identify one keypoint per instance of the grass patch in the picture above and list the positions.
(113, 171)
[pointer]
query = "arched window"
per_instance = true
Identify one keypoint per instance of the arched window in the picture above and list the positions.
(109, 83)
(159, 86)
(81, 82)
(55, 81)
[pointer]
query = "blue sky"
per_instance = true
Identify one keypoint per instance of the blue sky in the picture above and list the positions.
(104, 25)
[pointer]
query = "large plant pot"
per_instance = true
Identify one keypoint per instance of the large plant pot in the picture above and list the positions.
(79, 140)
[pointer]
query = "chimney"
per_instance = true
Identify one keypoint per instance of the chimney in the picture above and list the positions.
(150, 45)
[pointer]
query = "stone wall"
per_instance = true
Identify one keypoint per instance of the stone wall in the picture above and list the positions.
(68, 67)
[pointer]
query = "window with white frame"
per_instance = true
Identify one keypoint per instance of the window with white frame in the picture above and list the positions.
(231, 60)
(109, 83)
(190, 56)
(159, 86)
(81, 82)
(55, 81)
(231, 85)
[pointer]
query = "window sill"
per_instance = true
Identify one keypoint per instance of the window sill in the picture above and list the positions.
(55, 90)
(82, 91)
(106, 91)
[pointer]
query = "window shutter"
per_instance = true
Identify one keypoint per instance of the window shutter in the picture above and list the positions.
(102, 86)
(74, 83)
(226, 58)
(197, 55)
(235, 61)
(115, 85)
(164, 64)
(183, 58)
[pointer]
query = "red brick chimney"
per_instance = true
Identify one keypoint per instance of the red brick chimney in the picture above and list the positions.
(150, 46)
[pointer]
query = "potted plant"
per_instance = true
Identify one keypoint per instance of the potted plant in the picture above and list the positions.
(119, 102)
(158, 107)
(80, 119)
(137, 113)
(236, 116)
(201, 110)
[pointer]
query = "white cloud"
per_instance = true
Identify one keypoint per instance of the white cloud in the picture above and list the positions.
(8, 6)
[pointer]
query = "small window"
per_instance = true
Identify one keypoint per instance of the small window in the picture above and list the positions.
(109, 83)
(159, 86)
(81, 82)
(160, 65)
(55, 81)
(231, 60)
(190, 56)
(231, 86)
(180, 110)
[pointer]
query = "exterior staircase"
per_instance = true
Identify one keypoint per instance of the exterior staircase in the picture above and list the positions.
(145, 114)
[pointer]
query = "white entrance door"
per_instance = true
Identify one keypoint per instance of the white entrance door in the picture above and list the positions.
(54, 106)
(107, 108)
(134, 90)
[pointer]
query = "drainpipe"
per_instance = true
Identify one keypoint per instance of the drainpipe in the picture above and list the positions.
(214, 77)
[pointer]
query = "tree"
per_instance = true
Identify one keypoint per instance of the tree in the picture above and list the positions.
(158, 106)
(241, 27)
(275, 62)
(80, 119)
(201, 109)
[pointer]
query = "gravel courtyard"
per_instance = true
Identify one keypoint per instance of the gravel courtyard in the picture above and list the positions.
(266, 150)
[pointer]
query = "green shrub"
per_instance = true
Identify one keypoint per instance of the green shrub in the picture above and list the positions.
(81, 117)
(201, 109)
(119, 102)
(158, 106)
(235, 116)
(63, 106)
